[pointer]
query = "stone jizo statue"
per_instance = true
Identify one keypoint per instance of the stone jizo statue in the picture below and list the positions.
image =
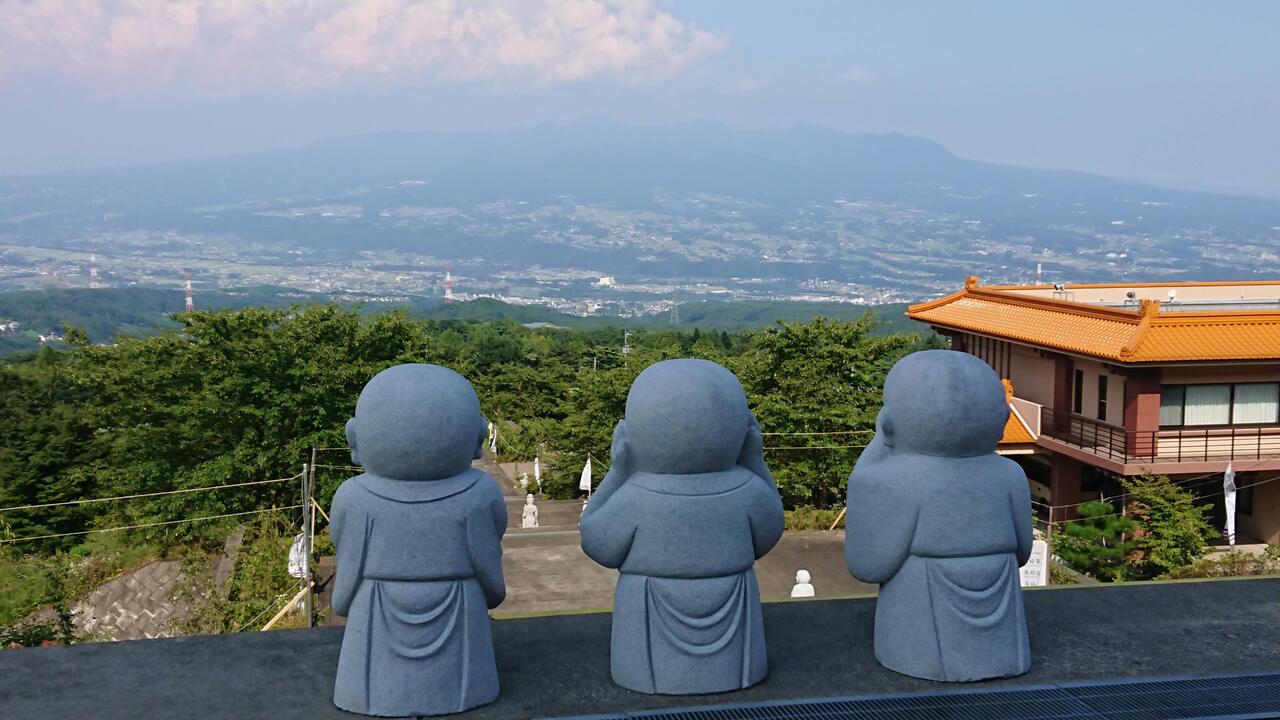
(418, 537)
(687, 507)
(529, 518)
(803, 587)
(942, 523)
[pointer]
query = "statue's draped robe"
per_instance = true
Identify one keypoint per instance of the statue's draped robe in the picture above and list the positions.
(945, 538)
(419, 565)
(686, 615)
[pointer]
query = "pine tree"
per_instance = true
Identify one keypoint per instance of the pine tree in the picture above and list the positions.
(1099, 543)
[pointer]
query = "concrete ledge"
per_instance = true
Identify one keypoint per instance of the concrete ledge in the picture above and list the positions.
(559, 666)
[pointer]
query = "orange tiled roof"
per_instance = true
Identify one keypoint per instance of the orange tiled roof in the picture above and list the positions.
(1142, 335)
(1016, 430)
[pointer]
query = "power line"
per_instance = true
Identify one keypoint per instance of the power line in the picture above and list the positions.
(146, 525)
(1183, 483)
(1164, 505)
(811, 447)
(264, 611)
(828, 432)
(142, 495)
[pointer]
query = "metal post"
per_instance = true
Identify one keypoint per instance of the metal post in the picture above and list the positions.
(307, 470)
(1049, 531)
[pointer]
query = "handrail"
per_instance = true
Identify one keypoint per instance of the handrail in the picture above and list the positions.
(1165, 445)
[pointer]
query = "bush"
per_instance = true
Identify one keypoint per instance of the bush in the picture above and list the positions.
(1231, 564)
(807, 517)
(1098, 543)
(1173, 531)
(258, 587)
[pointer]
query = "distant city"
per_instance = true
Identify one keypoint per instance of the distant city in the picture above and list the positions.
(614, 220)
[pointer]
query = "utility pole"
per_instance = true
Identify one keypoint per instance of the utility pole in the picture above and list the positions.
(93, 268)
(626, 342)
(191, 302)
(306, 538)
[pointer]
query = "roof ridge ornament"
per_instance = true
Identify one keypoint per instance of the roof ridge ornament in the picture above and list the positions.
(970, 282)
(1148, 309)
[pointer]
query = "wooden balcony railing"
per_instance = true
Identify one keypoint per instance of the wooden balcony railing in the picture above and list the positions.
(1169, 445)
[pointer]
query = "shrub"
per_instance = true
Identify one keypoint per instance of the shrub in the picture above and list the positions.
(1172, 529)
(807, 517)
(1099, 543)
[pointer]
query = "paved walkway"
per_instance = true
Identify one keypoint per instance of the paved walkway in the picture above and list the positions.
(137, 605)
(547, 571)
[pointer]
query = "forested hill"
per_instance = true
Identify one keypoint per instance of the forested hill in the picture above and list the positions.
(104, 313)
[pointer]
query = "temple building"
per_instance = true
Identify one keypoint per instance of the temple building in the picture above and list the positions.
(1106, 380)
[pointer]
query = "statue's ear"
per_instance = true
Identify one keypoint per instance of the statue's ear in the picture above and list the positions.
(751, 456)
(351, 441)
(620, 450)
(884, 428)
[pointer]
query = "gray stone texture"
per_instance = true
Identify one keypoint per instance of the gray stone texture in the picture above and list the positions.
(943, 523)
(418, 537)
(559, 666)
(137, 605)
(687, 507)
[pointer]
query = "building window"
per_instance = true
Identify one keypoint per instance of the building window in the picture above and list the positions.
(1207, 405)
(1171, 402)
(1219, 404)
(1255, 403)
(1102, 398)
(1077, 400)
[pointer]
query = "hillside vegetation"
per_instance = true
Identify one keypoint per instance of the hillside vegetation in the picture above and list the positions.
(236, 396)
(105, 313)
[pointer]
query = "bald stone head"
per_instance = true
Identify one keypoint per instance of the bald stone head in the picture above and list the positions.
(945, 403)
(686, 416)
(416, 422)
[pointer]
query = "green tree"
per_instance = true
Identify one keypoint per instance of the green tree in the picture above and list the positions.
(821, 376)
(1172, 530)
(1098, 543)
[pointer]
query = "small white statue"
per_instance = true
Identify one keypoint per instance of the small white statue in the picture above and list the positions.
(524, 481)
(803, 588)
(530, 517)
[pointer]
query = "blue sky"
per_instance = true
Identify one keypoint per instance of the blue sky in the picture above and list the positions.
(1183, 93)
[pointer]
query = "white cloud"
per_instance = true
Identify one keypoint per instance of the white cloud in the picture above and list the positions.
(748, 84)
(229, 46)
(858, 74)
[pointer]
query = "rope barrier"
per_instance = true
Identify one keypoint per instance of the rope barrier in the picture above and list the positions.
(150, 494)
(812, 447)
(263, 612)
(147, 525)
(1163, 505)
(829, 432)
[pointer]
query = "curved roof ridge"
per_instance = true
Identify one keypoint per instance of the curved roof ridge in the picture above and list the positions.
(1150, 311)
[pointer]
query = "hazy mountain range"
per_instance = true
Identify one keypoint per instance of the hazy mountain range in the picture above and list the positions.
(701, 201)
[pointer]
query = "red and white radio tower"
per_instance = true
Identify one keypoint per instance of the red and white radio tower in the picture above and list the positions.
(93, 268)
(191, 301)
(448, 282)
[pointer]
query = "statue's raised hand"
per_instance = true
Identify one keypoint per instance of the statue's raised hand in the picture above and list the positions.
(620, 468)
